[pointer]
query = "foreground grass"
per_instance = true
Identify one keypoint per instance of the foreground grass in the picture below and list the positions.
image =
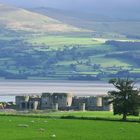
(42, 129)
(93, 115)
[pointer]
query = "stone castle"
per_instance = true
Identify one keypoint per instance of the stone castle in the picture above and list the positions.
(63, 101)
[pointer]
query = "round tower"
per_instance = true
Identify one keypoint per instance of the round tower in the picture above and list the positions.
(99, 102)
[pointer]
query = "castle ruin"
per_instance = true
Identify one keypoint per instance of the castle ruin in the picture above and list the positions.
(63, 101)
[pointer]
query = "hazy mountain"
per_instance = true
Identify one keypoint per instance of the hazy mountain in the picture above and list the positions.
(21, 19)
(57, 13)
(101, 24)
(124, 9)
(54, 20)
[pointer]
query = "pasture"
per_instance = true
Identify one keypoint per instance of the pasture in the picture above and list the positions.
(37, 128)
(109, 62)
(72, 40)
(65, 40)
(64, 57)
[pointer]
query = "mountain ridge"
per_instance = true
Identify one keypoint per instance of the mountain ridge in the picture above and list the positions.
(21, 19)
(99, 24)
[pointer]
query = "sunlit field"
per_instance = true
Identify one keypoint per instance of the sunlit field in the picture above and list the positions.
(64, 40)
(29, 128)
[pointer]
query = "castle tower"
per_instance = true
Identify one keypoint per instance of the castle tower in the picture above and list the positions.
(55, 106)
(22, 102)
(99, 102)
(82, 106)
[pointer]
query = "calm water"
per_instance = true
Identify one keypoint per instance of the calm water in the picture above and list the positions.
(10, 88)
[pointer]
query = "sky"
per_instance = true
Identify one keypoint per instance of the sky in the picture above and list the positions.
(75, 3)
(117, 7)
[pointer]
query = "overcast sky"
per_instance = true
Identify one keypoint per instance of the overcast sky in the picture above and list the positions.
(75, 3)
(119, 7)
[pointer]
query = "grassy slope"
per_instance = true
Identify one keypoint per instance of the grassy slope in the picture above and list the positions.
(66, 129)
(20, 19)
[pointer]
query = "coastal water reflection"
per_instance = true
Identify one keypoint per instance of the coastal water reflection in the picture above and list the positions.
(9, 88)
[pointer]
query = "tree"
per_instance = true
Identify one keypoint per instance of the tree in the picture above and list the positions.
(126, 99)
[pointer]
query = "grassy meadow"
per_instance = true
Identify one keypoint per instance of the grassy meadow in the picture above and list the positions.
(78, 114)
(31, 128)
(61, 41)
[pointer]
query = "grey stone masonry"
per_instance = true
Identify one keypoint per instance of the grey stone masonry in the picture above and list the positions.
(63, 101)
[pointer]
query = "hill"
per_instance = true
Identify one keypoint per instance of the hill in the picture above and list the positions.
(24, 20)
(104, 26)
(122, 9)
(56, 45)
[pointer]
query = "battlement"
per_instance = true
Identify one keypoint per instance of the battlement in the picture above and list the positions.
(63, 101)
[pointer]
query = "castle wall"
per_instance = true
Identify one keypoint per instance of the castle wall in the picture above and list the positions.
(27, 102)
(22, 102)
(82, 107)
(63, 101)
(48, 100)
(106, 105)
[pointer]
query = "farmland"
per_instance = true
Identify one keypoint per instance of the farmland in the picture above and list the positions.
(65, 40)
(30, 128)
(65, 58)
(37, 46)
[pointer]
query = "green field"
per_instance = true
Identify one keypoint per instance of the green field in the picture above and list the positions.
(87, 114)
(66, 57)
(108, 62)
(84, 41)
(32, 128)
(64, 41)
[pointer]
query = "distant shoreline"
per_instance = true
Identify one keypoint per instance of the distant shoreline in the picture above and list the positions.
(12, 88)
(44, 80)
